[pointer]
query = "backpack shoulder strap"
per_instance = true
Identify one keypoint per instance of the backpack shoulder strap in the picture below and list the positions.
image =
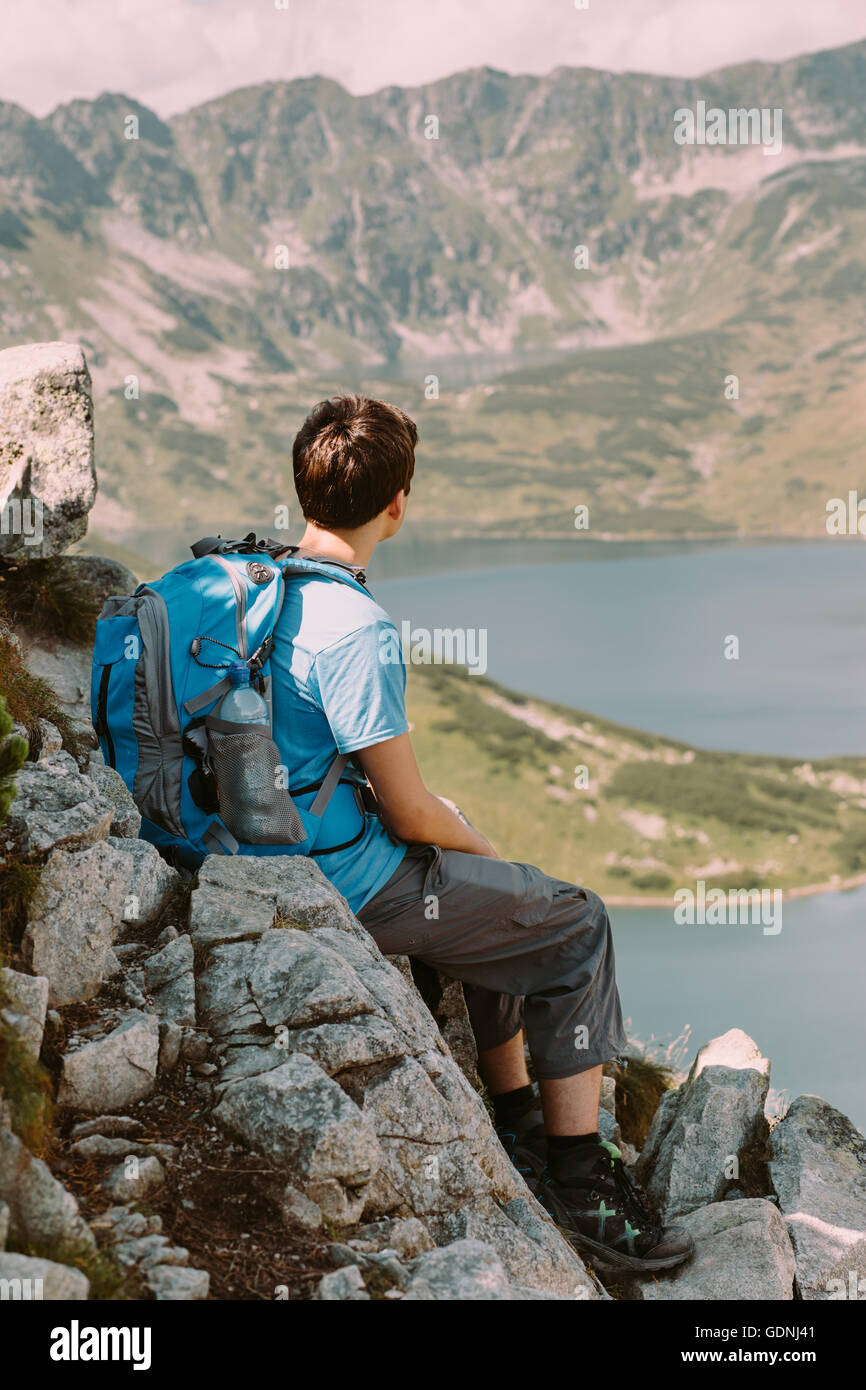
(290, 557)
(296, 561)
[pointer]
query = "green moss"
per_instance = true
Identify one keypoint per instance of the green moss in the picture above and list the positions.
(13, 753)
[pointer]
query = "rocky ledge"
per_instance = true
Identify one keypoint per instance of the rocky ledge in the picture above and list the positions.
(311, 1051)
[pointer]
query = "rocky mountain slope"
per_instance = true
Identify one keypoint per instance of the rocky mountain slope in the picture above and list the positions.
(226, 267)
(222, 1088)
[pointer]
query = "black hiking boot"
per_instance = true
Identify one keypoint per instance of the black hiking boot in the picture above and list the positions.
(525, 1143)
(604, 1215)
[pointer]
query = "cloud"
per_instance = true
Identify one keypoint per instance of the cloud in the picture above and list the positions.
(173, 54)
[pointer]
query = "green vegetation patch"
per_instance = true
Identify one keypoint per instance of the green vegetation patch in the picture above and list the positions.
(505, 740)
(25, 1086)
(712, 786)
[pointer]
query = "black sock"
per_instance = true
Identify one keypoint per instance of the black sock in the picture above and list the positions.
(565, 1143)
(512, 1105)
(568, 1154)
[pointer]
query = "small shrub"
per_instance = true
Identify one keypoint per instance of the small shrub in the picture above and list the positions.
(640, 1085)
(651, 880)
(46, 596)
(851, 849)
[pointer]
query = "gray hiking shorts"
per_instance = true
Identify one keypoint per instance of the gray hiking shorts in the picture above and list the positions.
(531, 951)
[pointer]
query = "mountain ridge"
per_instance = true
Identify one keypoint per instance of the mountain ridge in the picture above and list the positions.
(456, 258)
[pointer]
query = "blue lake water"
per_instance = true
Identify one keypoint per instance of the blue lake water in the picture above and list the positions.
(800, 994)
(639, 637)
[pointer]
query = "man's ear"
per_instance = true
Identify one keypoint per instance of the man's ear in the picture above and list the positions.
(397, 506)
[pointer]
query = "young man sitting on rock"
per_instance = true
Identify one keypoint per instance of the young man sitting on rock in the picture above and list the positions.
(533, 952)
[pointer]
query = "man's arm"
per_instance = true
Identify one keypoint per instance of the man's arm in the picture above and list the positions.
(408, 808)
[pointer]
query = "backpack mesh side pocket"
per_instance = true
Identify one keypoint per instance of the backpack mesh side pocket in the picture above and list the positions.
(252, 804)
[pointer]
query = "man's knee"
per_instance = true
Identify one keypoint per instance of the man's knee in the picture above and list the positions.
(587, 924)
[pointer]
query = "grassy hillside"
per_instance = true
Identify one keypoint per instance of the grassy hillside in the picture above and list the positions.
(656, 815)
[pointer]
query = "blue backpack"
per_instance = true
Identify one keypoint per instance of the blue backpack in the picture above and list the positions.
(155, 684)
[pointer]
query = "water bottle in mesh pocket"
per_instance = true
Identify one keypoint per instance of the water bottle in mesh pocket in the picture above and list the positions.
(252, 805)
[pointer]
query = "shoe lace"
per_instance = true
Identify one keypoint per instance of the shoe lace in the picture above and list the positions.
(630, 1197)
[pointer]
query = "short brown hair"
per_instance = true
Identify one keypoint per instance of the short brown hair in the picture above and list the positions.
(351, 457)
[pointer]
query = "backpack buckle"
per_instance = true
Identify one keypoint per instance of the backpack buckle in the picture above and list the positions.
(260, 656)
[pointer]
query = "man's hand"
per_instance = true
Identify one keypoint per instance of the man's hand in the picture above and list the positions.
(411, 811)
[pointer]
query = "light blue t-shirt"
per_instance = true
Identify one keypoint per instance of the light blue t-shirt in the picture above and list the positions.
(339, 685)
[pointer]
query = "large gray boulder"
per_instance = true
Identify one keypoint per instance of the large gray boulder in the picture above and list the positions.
(818, 1171)
(41, 1211)
(114, 1071)
(323, 1043)
(742, 1252)
(46, 448)
(308, 1128)
(287, 979)
(56, 807)
(704, 1130)
(237, 898)
(74, 916)
(393, 996)
(95, 577)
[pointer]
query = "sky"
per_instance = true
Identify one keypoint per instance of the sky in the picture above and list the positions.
(173, 54)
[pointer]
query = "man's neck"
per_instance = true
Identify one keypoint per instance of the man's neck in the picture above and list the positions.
(349, 547)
